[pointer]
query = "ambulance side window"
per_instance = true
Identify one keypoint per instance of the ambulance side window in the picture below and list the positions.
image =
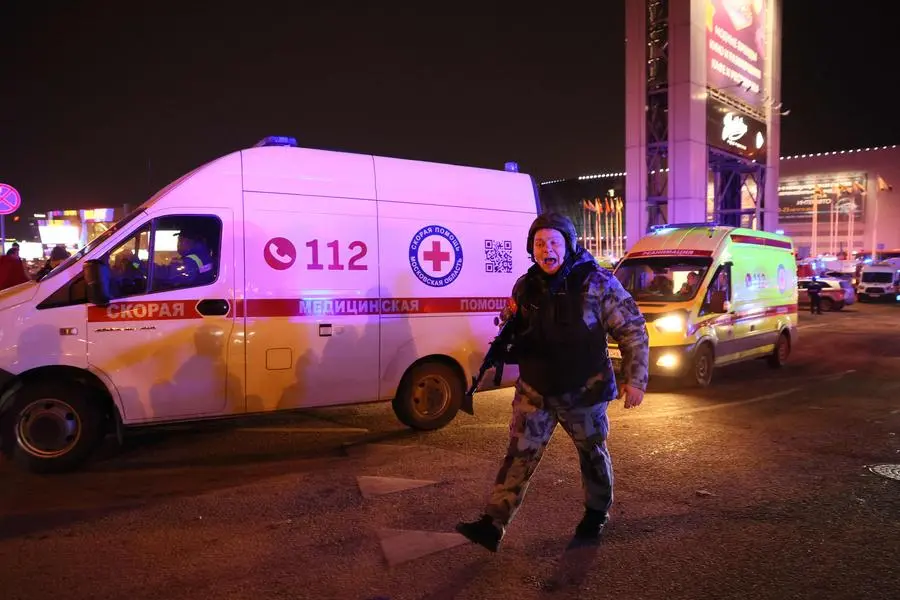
(186, 251)
(73, 293)
(128, 265)
(719, 289)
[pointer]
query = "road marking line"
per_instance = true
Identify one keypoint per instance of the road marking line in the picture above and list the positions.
(770, 396)
(303, 429)
(814, 325)
(484, 425)
(688, 411)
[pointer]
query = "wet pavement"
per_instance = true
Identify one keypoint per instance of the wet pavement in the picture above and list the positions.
(769, 484)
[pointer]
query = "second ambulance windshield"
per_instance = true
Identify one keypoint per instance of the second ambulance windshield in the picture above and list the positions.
(663, 278)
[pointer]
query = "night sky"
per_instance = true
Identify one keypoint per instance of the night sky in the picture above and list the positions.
(106, 101)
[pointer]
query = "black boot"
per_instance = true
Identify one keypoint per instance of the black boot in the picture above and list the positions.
(483, 532)
(591, 525)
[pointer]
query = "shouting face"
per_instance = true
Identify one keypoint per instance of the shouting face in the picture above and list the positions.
(549, 250)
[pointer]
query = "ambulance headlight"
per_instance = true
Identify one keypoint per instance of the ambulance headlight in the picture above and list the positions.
(671, 323)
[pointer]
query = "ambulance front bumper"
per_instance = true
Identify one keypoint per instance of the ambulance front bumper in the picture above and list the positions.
(665, 361)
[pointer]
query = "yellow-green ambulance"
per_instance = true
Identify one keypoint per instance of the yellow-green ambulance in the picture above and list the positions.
(712, 296)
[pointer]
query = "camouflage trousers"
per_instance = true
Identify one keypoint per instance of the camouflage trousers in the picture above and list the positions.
(534, 420)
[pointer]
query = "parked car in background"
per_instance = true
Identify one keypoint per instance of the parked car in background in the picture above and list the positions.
(842, 275)
(836, 293)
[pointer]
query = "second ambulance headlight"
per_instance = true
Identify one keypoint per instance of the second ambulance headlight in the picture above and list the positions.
(671, 323)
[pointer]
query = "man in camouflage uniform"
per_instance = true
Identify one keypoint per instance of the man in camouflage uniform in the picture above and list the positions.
(566, 304)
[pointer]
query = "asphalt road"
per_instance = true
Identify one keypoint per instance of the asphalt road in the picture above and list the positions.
(758, 487)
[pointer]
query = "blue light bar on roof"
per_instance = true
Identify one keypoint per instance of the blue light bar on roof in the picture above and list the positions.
(276, 140)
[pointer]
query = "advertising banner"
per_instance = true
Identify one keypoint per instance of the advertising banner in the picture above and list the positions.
(735, 132)
(841, 192)
(735, 48)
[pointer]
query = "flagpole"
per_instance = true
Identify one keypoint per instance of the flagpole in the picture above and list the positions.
(850, 228)
(584, 218)
(609, 227)
(615, 236)
(619, 207)
(875, 221)
(833, 231)
(814, 251)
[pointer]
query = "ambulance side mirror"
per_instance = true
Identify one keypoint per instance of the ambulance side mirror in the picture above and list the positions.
(96, 280)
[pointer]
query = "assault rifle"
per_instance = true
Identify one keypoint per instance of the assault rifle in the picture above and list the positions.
(498, 354)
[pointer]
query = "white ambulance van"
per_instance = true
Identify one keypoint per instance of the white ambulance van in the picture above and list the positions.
(712, 296)
(273, 278)
(879, 280)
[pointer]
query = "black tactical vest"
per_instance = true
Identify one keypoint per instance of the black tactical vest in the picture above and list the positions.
(555, 350)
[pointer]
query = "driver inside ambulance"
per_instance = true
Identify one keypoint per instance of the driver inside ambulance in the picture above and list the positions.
(192, 267)
(689, 287)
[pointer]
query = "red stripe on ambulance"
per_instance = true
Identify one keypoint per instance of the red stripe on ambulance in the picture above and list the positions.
(760, 241)
(748, 315)
(277, 307)
(283, 307)
(167, 310)
(670, 252)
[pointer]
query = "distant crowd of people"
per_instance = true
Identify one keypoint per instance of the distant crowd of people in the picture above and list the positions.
(13, 270)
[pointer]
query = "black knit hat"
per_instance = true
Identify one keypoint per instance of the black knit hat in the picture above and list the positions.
(556, 221)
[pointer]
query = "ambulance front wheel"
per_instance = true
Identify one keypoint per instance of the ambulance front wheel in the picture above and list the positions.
(701, 371)
(54, 425)
(429, 396)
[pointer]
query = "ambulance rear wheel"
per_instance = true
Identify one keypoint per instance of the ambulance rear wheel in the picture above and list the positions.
(781, 352)
(701, 371)
(55, 426)
(429, 397)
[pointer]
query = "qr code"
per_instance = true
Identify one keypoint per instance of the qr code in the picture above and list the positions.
(497, 256)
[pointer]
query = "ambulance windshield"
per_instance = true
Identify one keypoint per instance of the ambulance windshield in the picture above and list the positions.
(663, 278)
(877, 277)
(93, 244)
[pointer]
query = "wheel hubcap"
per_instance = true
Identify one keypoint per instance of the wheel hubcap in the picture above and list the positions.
(431, 396)
(702, 369)
(48, 427)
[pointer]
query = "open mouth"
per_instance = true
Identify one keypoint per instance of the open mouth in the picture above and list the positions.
(549, 262)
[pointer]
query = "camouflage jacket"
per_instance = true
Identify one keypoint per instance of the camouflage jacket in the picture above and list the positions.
(609, 309)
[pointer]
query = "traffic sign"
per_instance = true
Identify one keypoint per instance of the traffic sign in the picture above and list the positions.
(10, 200)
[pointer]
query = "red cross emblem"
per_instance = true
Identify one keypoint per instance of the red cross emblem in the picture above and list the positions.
(436, 256)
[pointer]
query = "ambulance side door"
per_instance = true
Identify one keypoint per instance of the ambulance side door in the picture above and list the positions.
(311, 308)
(165, 343)
(724, 325)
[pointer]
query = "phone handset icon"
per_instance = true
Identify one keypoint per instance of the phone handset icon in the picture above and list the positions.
(277, 255)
